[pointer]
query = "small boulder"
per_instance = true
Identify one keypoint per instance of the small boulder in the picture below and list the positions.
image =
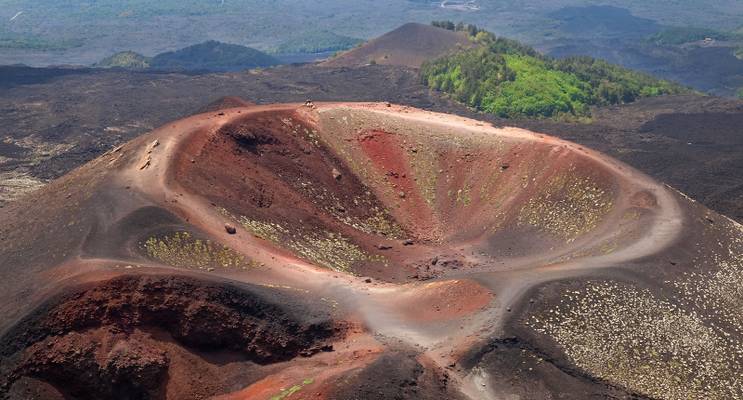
(408, 242)
(230, 229)
(336, 174)
(384, 247)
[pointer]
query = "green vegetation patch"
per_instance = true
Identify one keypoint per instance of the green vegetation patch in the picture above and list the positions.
(181, 249)
(317, 42)
(537, 90)
(321, 247)
(286, 393)
(509, 79)
(125, 59)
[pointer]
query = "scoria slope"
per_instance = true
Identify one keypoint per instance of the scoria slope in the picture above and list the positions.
(409, 45)
(370, 251)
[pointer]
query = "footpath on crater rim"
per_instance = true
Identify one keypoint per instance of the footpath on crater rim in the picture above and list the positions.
(369, 251)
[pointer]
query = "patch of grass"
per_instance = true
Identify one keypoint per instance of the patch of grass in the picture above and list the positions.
(181, 249)
(321, 247)
(285, 393)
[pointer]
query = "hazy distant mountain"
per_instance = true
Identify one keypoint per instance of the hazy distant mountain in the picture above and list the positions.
(213, 56)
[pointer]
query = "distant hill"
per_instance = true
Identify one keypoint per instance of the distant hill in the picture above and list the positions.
(409, 45)
(125, 59)
(213, 56)
(316, 42)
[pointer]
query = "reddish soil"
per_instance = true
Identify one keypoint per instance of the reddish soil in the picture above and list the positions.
(335, 251)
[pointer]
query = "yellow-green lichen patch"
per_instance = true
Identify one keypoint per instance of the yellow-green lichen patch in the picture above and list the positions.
(265, 230)
(330, 250)
(286, 393)
(717, 289)
(321, 247)
(567, 207)
(380, 222)
(630, 337)
(181, 249)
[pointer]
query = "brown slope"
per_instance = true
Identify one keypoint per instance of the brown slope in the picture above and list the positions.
(409, 45)
(225, 102)
(120, 280)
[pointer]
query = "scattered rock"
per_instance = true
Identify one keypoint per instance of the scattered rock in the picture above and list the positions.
(504, 167)
(146, 163)
(387, 104)
(152, 146)
(230, 229)
(336, 174)
(408, 242)
(401, 194)
(384, 247)
(368, 280)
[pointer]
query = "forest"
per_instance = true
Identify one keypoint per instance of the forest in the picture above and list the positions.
(509, 79)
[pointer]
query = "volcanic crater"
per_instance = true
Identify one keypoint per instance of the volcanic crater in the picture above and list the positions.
(362, 250)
